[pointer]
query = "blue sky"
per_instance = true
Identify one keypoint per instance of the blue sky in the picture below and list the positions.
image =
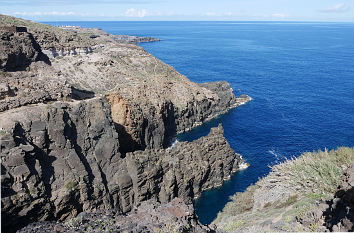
(263, 10)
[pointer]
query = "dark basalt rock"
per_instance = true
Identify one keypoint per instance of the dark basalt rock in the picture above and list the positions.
(185, 170)
(56, 160)
(339, 216)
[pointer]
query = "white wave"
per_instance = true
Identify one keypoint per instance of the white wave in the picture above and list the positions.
(243, 166)
(273, 152)
(174, 144)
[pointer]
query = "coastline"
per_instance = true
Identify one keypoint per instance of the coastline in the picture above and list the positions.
(119, 144)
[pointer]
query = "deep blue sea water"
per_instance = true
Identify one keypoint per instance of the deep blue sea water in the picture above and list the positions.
(300, 76)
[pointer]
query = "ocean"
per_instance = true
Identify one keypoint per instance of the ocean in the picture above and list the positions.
(300, 76)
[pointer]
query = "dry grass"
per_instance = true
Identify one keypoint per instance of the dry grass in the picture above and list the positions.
(317, 172)
(241, 202)
(291, 200)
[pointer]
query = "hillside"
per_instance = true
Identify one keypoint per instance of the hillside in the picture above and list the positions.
(311, 193)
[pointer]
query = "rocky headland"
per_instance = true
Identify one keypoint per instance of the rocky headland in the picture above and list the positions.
(86, 124)
(94, 33)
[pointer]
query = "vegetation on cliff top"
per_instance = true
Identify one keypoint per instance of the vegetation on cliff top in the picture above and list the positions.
(291, 193)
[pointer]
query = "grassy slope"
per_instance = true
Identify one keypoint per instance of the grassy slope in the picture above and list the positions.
(288, 194)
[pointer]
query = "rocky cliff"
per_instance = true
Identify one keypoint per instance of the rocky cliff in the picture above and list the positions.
(18, 50)
(91, 131)
(63, 158)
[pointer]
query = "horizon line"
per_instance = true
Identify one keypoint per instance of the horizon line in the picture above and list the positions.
(137, 20)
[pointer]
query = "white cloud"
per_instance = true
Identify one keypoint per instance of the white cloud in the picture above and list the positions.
(70, 2)
(339, 8)
(210, 14)
(132, 12)
(279, 15)
(39, 13)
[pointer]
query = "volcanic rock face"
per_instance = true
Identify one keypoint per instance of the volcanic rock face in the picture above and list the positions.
(91, 131)
(22, 89)
(185, 170)
(56, 160)
(159, 101)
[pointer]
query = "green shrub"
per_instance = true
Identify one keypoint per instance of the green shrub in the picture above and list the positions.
(2, 132)
(74, 222)
(241, 202)
(234, 225)
(291, 200)
(70, 185)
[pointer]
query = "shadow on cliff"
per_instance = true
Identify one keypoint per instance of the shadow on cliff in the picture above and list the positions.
(152, 135)
(78, 94)
(340, 212)
(126, 142)
(169, 121)
(21, 60)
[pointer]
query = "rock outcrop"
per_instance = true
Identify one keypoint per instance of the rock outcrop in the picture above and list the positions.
(185, 170)
(96, 33)
(18, 50)
(147, 217)
(339, 215)
(23, 89)
(56, 160)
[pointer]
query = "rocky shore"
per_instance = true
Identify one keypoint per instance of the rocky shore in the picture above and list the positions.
(96, 33)
(86, 124)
